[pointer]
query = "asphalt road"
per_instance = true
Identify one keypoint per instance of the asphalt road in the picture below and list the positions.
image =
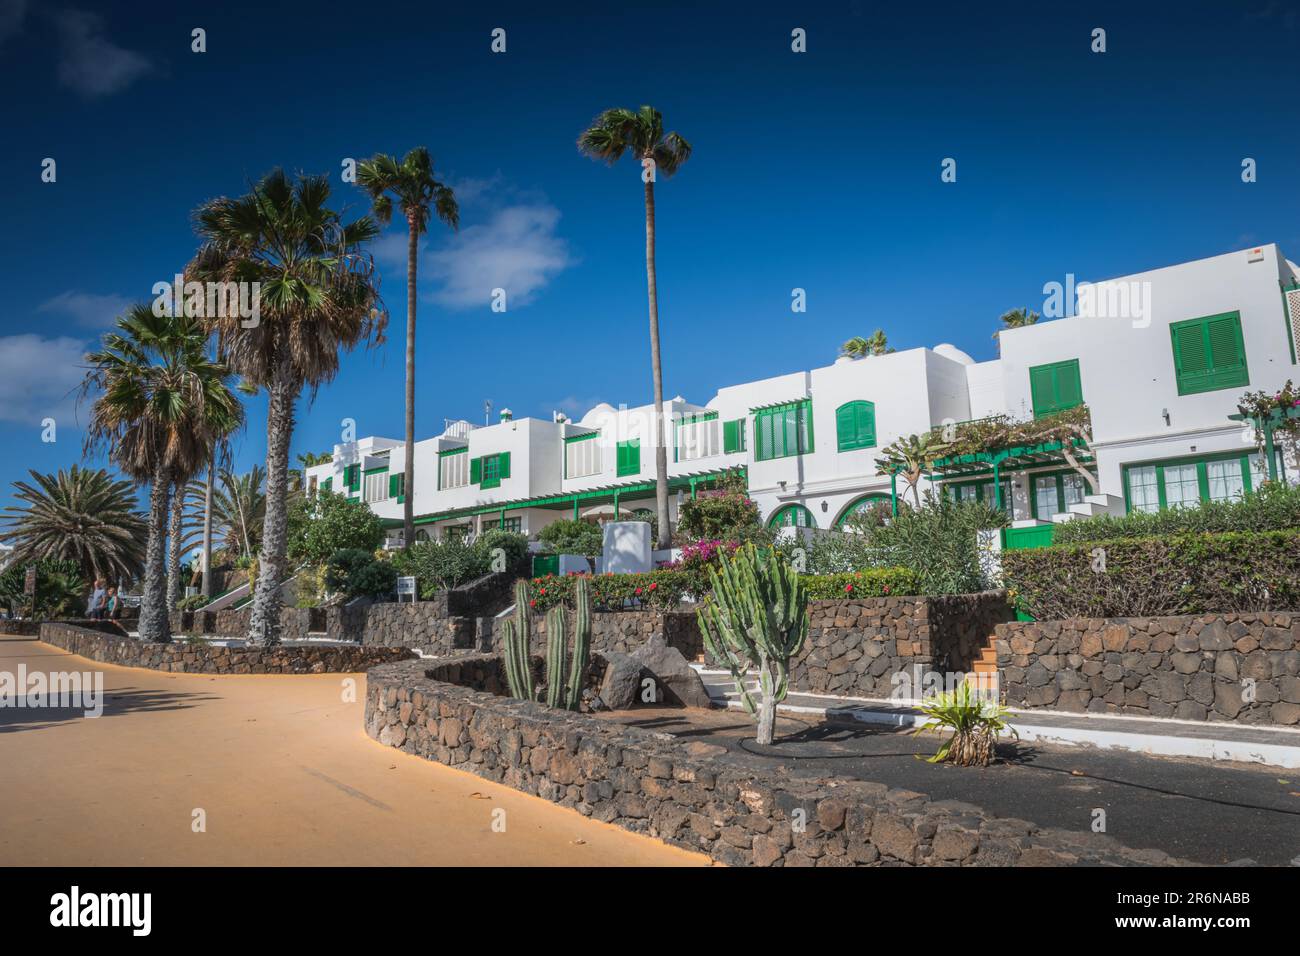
(1204, 811)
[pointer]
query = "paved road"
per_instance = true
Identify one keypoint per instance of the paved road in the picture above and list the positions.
(1197, 810)
(283, 771)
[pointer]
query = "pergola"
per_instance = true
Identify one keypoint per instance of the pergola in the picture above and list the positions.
(995, 461)
(1268, 424)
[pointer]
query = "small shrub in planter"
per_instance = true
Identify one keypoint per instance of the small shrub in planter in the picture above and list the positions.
(572, 537)
(655, 590)
(193, 603)
(976, 722)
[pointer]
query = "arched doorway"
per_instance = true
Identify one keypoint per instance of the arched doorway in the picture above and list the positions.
(792, 516)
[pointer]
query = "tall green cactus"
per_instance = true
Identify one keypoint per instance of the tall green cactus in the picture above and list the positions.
(756, 617)
(516, 646)
(561, 691)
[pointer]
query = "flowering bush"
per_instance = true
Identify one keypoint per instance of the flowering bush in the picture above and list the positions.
(872, 582)
(656, 590)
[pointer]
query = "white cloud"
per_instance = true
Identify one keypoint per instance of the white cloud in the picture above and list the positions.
(87, 309)
(39, 378)
(89, 62)
(11, 17)
(516, 250)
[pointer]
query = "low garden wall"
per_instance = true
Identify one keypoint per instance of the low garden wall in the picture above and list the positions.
(33, 628)
(295, 622)
(625, 631)
(199, 658)
(693, 795)
(1241, 667)
(855, 647)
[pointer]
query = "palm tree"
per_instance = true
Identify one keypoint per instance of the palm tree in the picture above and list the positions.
(910, 457)
(308, 459)
(77, 515)
(161, 405)
(858, 347)
(418, 192)
(1015, 319)
(318, 295)
(238, 512)
(610, 135)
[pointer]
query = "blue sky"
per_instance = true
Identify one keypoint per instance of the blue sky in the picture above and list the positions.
(818, 170)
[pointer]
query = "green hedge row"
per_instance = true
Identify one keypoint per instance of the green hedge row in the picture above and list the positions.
(664, 590)
(1138, 577)
(1274, 507)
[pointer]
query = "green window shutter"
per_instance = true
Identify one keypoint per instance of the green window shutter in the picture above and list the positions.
(1042, 390)
(504, 464)
(733, 436)
(1069, 390)
(855, 425)
(475, 470)
(783, 430)
(396, 485)
(352, 477)
(328, 483)
(628, 456)
(1209, 354)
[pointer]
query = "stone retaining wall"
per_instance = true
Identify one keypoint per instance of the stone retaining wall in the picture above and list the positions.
(693, 795)
(295, 622)
(625, 631)
(33, 628)
(1220, 667)
(855, 647)
(200, 658)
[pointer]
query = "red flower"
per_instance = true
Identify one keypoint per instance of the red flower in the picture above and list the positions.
(653, 585)
(542, 591)
(637, 591)
(885, 589)
(532, 604)
(848, 588)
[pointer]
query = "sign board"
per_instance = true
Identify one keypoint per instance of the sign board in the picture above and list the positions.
(29, 581)
(405, 586)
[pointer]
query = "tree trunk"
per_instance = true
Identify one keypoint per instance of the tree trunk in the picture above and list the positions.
(207, 531)
(174, 583)
(154, 625)
(1067, 452)
(264, 622)
(408, 488)
(661, 443)
(767, 704)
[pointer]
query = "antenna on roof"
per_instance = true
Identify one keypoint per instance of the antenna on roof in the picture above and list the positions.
(487, 411)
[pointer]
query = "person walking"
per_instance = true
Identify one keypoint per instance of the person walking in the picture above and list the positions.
(95, 607)
(112, 605)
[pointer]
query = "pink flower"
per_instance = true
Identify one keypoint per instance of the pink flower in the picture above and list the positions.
(848, 588)
(637, 591)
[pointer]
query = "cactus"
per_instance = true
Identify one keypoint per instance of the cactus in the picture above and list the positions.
(581, 643)
(556, 645)
(517, 645)
(757, 617)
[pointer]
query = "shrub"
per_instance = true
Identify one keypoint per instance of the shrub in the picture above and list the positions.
(193, 602)
(60, 589)
(572, 537)
(976, 722)
(1274, 507)
(357, 574)
(728, 515)
(657, 590)
(1188, 574)
(872, 582)
(437, 565)
(514, 545)
(327, 523)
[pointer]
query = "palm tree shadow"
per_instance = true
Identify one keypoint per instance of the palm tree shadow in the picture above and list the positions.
(116, 703)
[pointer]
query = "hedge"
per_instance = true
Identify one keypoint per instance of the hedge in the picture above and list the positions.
(664, 590)
(1186, 574)
(1273, 508)
(872, 582)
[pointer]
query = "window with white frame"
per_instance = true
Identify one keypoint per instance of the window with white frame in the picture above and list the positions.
(453, 470)
(376, 487)
(1182, 487)
(582, 457)
(1226, 482)
(1144, 488)
(698, 438)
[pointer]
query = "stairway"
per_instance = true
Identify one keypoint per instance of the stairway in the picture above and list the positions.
(1090, 507)
(983, 674)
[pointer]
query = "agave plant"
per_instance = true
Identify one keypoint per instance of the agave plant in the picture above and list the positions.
(976, 720)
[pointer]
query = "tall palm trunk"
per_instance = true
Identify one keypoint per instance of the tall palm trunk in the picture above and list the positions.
(264, 622)
(408, 488)
(661, 445)
(154, 625)
(174, 584)
(207, 531)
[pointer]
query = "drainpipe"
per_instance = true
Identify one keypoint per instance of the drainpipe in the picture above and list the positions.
(997, 485)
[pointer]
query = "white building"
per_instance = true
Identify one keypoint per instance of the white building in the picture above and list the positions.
(1160, 358)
